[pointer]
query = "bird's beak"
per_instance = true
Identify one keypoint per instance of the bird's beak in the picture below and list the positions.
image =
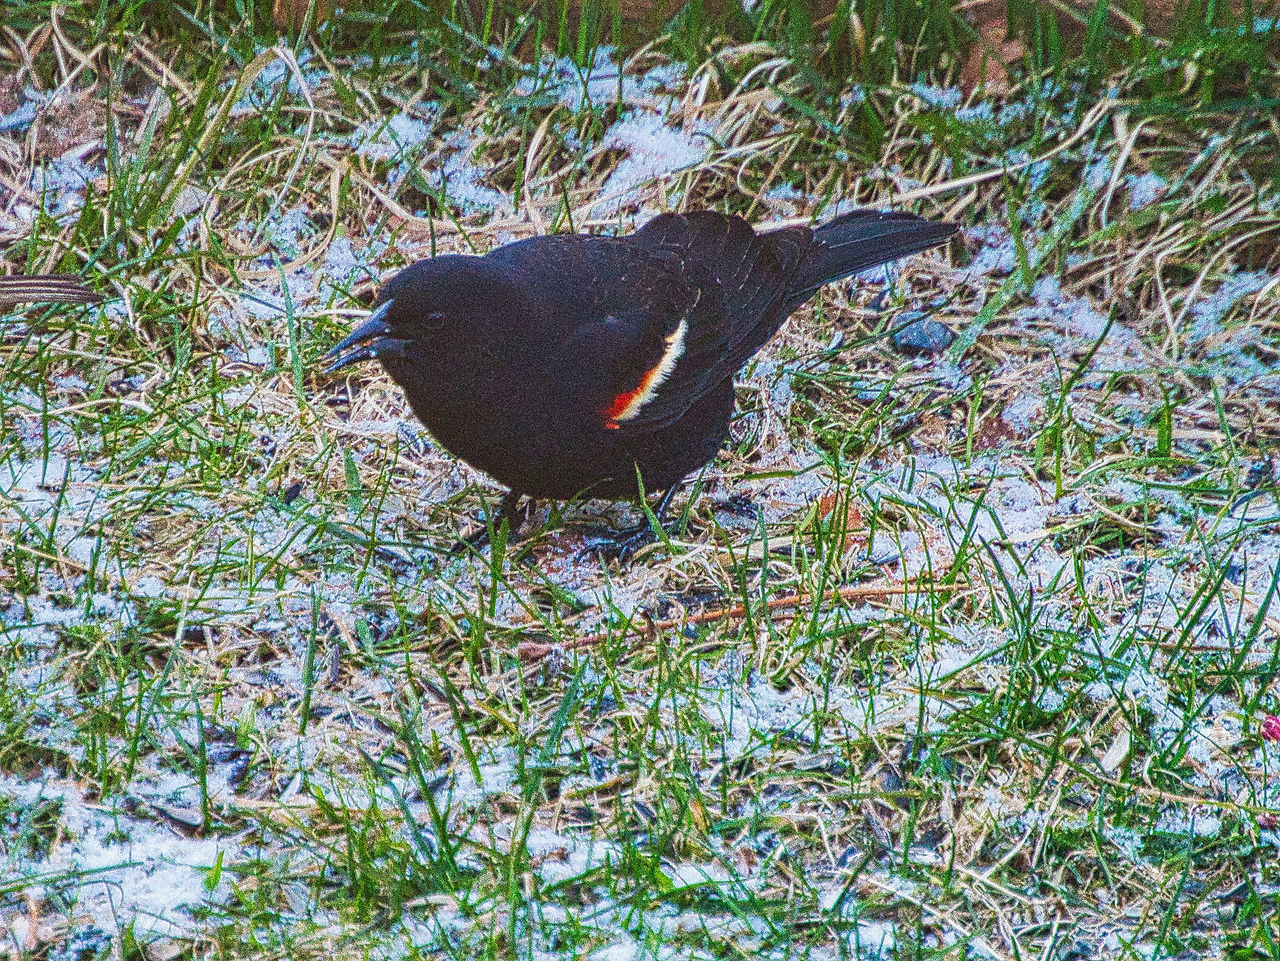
(370, 340)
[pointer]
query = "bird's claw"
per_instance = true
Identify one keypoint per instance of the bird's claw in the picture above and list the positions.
(477, 540)
(739, 505)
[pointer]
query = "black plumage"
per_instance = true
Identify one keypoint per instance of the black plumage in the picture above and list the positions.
(45, 288)
(561, 365)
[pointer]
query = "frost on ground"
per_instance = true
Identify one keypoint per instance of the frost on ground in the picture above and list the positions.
(973, 610)
(133, 870)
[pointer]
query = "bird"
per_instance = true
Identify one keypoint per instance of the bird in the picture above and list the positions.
(603, 366)
(45, 289)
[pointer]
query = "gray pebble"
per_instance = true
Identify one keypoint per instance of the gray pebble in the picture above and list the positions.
(919, 334)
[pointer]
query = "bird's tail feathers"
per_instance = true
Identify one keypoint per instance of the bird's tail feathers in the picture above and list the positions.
(862, 239)
(45, 289)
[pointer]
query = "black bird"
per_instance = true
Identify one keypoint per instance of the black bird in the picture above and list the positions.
(45, 289)
(567, 364)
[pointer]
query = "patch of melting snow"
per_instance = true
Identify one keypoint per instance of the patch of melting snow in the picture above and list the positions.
(943, 98)
(276, 75)
(782, 497)
(949, 376)
(624, 595)
(603, 83)
(262, 304)
(344, 263)
(57, 495)
(691, 874)
(61, 184)
(288, 231)
(495, 775)
(1025, 409)
(563, 857)
(70, 383)
(654, 149)
(1074, 322)
(1075, 315)
(1207, 314)
(982, 112)
(1202, 823)
(459, 178)
(786, 200)
(121, 871)
(393, 138)
(921, 481)
(1144, 189)
(1011, 513)
(1149, 692)
(997, 256)
(1097, 173)
(625, 947)
(1126, 840)
(867, 940)
(18, 119)
(669, 922)
(748, 713)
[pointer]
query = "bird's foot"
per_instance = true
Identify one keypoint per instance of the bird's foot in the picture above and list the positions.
(620, 546)
(477, 540)
(623, 545)
(509, 512)
(738, 504)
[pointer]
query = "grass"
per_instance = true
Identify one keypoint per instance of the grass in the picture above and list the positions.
(955, 656)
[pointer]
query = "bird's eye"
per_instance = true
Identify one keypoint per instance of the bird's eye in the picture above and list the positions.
(435, 319)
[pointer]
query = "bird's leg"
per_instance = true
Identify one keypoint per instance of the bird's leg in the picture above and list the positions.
(507, 512)
(620, 545)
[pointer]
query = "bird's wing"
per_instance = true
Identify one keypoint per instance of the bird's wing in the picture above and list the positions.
(634, 311)
(700, 293)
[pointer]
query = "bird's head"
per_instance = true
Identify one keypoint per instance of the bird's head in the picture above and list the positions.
(432, 318)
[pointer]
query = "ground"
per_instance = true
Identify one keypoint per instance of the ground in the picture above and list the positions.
(957, 654)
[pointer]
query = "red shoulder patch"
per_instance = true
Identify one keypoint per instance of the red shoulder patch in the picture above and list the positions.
(627, 405)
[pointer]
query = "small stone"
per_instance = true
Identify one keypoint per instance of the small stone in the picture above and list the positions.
(919, 334)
